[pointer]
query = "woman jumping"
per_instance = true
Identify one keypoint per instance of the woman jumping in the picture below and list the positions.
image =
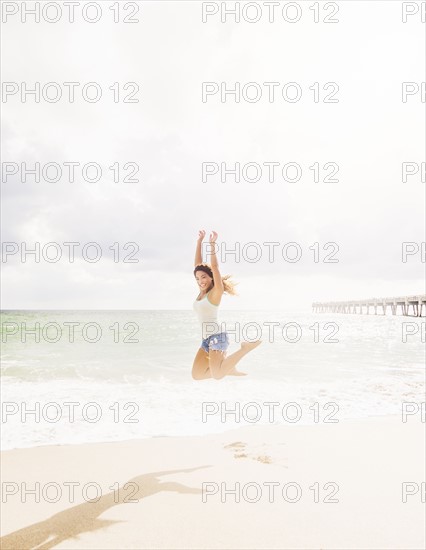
(211, 360)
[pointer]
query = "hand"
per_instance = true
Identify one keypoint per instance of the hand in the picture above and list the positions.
(213, 237)
(201, 234)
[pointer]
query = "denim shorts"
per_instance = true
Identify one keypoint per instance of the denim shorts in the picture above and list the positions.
(216, 342)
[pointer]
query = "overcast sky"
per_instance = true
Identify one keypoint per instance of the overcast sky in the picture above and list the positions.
(369, 133)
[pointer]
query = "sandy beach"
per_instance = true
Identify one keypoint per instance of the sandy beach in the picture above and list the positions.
(325, 486)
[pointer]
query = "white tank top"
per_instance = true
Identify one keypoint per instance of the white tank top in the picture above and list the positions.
(207, 315)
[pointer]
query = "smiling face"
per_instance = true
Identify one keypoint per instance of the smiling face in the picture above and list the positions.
(203, 281)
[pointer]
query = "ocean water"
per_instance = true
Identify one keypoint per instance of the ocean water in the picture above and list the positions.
(85, 376)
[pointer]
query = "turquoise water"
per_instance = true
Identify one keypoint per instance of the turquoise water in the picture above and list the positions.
(128, 373)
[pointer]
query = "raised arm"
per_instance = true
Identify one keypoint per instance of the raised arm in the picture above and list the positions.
(198, 256)
(217, 277)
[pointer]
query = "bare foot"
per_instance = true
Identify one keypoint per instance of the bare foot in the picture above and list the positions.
(248, 346)
(235, 372)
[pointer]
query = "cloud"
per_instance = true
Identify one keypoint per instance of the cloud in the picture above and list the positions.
(368, 213)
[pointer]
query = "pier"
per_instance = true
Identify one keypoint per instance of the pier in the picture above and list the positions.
(410, 306)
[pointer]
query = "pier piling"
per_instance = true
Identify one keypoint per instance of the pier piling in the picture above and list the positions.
(409, 306)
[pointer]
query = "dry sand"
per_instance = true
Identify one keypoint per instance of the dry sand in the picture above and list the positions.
(364, 462)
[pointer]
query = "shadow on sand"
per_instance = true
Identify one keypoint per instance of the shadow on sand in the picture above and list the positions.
(84, 517)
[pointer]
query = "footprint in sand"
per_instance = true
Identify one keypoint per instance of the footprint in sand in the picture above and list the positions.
(239, 449)
(264, 459)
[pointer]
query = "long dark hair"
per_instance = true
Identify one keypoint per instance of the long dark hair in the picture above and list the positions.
(228, 284)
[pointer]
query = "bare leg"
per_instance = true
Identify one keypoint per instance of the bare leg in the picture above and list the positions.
(221, 366)
(233, 371)
(201, 368)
